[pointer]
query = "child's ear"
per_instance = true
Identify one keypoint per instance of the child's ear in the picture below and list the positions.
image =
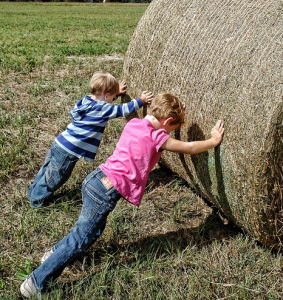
(168, 121)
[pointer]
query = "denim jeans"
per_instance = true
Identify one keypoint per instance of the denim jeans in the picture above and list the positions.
(55, 171)
(98, 202)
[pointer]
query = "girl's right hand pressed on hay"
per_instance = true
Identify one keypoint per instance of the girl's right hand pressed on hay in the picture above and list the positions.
(217, 132)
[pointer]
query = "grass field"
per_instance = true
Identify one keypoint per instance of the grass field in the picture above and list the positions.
(174, 246)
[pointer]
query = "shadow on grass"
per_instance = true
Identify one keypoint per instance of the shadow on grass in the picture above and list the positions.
(212, 229)
(157, 246)
(73, 197)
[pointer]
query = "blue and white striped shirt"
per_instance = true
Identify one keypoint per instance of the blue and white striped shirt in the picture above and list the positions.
(89, 118)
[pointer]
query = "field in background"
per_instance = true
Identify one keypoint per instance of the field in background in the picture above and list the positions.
(174, 246)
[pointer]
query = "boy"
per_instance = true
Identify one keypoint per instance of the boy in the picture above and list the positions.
(82, 136)
(124, 174)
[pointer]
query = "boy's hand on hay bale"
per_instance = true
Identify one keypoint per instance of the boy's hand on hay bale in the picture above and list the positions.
(217, 132)
(146, 97)
(122, 87)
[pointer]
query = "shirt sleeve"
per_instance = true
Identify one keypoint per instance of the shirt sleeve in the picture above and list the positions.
(111, 111)
(160, 136)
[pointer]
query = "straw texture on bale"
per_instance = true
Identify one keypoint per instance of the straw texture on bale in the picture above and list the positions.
(224, 60)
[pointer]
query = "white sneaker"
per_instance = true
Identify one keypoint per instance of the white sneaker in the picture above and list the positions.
(28, 289)
(46, 255)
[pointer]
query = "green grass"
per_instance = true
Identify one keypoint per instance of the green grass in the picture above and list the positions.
(174, 246)
(32, 33)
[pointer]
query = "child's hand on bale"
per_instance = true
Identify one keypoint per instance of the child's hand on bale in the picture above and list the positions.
(122, 87)
(217, 132)
(146, 97)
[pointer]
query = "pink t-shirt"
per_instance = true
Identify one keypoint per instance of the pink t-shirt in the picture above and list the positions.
(135, 155)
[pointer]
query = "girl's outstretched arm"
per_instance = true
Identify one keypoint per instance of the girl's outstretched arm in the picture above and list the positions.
(195, 147)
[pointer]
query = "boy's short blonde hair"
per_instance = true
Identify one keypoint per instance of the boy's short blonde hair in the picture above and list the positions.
(166, 106)
(103, 83)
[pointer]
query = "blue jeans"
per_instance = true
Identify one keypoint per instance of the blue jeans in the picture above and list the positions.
(55, 171)
(98, 202)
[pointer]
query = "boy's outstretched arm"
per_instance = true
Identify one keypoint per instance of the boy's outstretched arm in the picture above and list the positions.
(195, 147)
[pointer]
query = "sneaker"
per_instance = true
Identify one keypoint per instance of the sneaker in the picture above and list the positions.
(46, 255)
(28, 289)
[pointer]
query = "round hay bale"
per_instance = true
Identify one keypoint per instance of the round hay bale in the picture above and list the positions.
(224, 60)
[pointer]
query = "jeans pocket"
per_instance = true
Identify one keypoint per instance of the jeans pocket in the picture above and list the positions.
(53, 181)
(61, 167)
(95, 204)
(92, 205)
(58, 157)
(54, 175)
